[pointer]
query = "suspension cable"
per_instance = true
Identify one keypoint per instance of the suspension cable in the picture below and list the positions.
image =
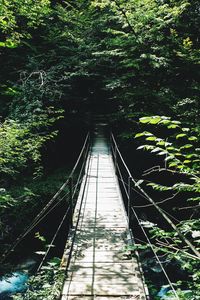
(116, 146)
(147, 238)
(164, 215)
(65, 215)
(140, 206)
(41, 215)
(79, 212)
(53, 239)
(155, 254)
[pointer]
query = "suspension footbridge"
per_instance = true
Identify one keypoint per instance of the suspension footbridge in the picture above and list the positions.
(98, 261)
(100, 267)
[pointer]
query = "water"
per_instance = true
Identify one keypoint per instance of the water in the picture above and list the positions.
(166, 293)
(12, 284)
(16, 282)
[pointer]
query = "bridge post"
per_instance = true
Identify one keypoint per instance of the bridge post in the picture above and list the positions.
(129, 199)
(71, 201)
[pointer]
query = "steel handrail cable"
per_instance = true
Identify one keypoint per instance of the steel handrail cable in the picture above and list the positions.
(72, 245)
(18, 240)
(55, 205)
(67, 181)
(160, 210)
(120, 155)
(82, 168)
(57, 231)
(155, 254)
(78, 219)
(143, 196)
(150, 244)
(82, 150)
(127, 195)
(53, 239)
(47, 251)
(128, 171)
(42, 217)
(123, 182)
(62, 221)
(147, 238)
(84, 204)
(52, 208)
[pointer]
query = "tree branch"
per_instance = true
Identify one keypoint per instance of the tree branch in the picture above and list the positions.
(188, 207)
(169, 221)
(177, 249)
(160, 202)
(122, 11)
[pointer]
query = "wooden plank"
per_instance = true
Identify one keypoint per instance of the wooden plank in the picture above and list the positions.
(133, 297)
(82, 288)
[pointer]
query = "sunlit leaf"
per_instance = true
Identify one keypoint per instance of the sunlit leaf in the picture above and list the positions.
(180, 135)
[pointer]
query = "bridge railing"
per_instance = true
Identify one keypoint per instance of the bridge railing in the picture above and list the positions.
(69, 193)
(129, 185)
(124, 176)
(65, 196)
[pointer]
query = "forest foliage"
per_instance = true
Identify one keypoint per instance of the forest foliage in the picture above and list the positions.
(62, 61)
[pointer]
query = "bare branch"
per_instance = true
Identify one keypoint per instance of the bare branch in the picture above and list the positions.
(177, 250)
(188, 207)
(160, 202)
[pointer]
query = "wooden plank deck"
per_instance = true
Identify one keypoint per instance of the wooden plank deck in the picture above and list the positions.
(99, 268)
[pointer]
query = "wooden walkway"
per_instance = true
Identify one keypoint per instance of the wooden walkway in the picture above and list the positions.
(99, 268)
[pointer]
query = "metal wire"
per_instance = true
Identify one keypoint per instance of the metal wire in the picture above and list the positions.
(155, 254)
(41, 215)
(138, 220)
(53, 239)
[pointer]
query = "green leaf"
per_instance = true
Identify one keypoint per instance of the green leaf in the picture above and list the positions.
(157, 149)
(178, 154)
(145, 133)
(173, 164)
(180, 166)
(163, 153)
(151, 138)
(161, 143)
(2, 44)
(169, 157)
(192, 138)
(165, 122)
(144, 120)
(172, 126)
(171, 148)
(187, 161)
(155, 120)
(181, 135)
(141, 147)
(139, 135)
(187, 146)
(151, 120)
(176, 122)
